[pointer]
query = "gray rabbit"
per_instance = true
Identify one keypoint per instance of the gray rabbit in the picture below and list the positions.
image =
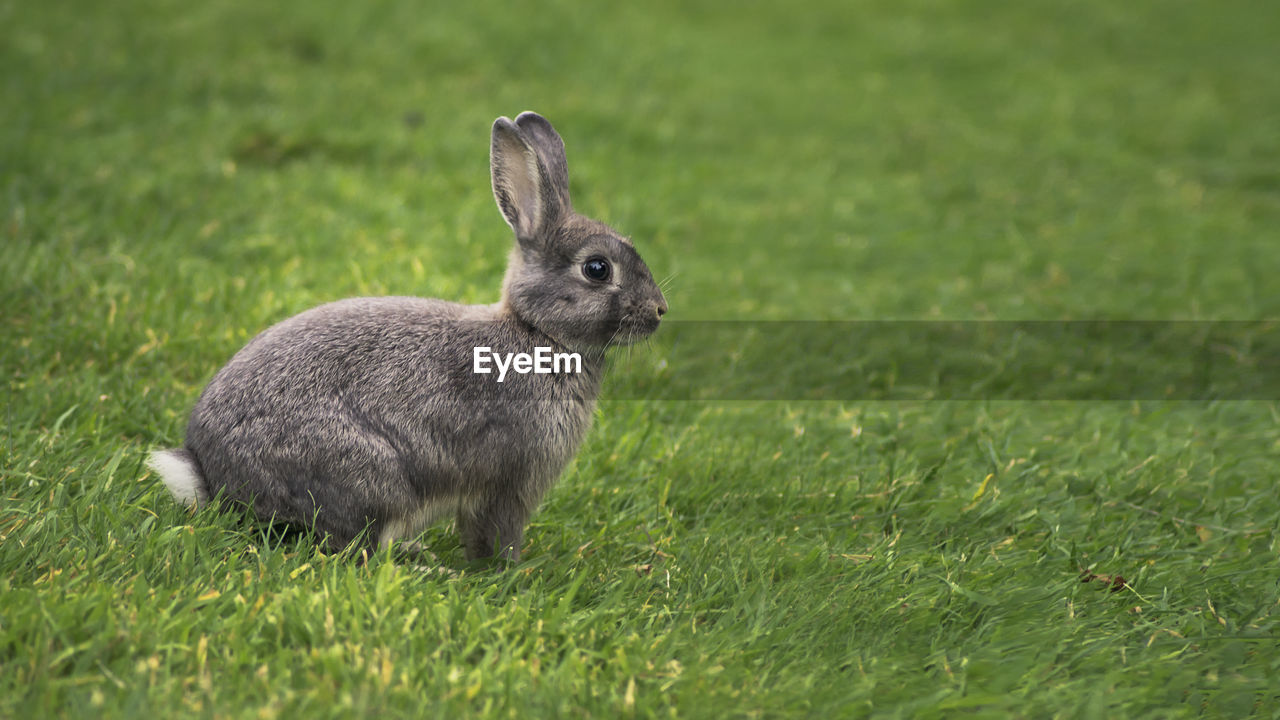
(386, 414)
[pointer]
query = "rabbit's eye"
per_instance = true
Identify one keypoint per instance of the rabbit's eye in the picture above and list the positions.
(596, 269)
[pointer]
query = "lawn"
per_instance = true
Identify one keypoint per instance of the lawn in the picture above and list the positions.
(174, 177)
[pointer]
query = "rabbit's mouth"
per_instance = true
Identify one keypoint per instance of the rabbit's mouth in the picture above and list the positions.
(633, 329)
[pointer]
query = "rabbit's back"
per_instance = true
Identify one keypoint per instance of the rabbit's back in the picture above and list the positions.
(369, 411)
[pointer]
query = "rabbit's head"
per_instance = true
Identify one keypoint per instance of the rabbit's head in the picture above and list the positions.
(573, 278)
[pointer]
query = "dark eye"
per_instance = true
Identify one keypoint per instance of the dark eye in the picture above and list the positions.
(596, 269)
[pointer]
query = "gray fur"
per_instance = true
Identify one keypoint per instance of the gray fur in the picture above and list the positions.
(364, 414)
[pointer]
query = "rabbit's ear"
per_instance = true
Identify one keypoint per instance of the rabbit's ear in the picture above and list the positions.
(550, 148)
(523, 187)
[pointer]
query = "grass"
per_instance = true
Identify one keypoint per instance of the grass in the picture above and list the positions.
(175, 177)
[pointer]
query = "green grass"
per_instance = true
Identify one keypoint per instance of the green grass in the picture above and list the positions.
(175, 177)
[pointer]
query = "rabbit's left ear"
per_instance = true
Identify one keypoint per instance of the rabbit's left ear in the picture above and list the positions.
(532, 196)
(550, 148)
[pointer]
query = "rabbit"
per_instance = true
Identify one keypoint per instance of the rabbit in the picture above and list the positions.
(373, 415)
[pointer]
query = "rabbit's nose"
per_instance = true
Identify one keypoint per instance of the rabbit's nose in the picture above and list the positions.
(662, 309)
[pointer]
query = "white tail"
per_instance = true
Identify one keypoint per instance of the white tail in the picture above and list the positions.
(180, 475)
